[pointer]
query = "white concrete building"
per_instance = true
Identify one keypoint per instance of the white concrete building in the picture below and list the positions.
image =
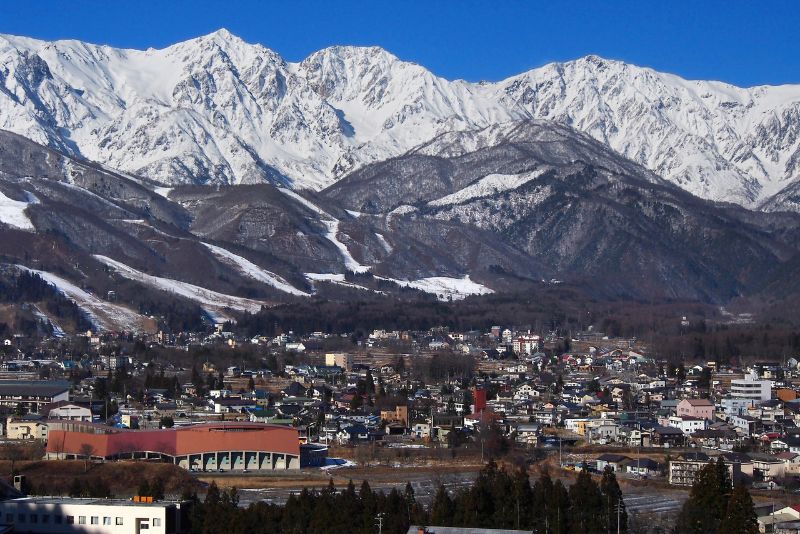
(751, 388)
(688, 425)
(107, 516)
(526, 344)
(71, 412)
(21, 429)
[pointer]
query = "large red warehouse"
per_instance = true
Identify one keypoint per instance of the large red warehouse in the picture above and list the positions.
(209, 446)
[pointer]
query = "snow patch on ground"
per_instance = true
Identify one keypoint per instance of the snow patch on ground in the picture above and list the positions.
(217, 305)
(12, 212)
(444, 287)
(349, 261)
(325, 277)
(332, 224)
(339, 280)
(402, 210)
(336, 463)
(57, 330)
(386, 246)
(355, 214)
(104, 315)
(487, 186)
(163, 191)
(251, 270)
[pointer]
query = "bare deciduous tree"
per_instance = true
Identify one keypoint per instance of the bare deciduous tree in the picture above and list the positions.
(86, 452)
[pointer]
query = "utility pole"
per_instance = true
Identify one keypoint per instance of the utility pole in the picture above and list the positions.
(560, 463)
(638, 455)
(379, 518)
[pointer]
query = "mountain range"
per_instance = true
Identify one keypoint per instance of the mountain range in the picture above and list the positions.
(214, 177)
(217, 110)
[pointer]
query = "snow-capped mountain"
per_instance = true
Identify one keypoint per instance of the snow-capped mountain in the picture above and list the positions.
(713, 139)
(578, 208)
(218, 110)
(497, 209)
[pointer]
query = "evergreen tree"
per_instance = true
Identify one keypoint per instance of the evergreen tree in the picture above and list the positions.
(681, 372)
(587, 512)
(157, 489)
(523, 499)
(707, 504)
(616, 514)
(144, 488)
(75, 488)
(559, 519)
(740, 517)
(442, 508)
(542, 494)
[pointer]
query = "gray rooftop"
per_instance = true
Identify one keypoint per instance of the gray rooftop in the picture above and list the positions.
(36, 388)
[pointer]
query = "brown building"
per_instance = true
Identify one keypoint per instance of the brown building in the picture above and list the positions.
(398, 415)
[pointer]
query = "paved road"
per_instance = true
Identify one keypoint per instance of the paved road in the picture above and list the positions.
(646, 500)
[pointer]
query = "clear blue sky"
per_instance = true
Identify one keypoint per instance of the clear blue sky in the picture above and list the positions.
(742, 42)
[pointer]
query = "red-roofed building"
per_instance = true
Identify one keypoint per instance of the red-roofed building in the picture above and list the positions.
(210, 447)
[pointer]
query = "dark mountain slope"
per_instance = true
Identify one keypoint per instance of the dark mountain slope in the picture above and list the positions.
(583, 212)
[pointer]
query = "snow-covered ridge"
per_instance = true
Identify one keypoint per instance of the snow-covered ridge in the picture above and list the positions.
(445, 287)
(253, 271)
(339, 280)
(487, 186)
(214, 303)
(103, 315)
(216, 109)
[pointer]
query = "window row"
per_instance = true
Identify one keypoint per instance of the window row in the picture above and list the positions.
(70, 519)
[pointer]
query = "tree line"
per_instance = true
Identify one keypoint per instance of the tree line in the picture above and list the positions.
(500, 498)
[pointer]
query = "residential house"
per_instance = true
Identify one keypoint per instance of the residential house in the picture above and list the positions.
(528, 433)
(421, 430)
(665, 436)
(687, 424)
(715, 438)
(642, 467)
(767, 468)
(787, 443)
(696, 408)
(603, 431)
(26, 428)
(615, 461)
(745, 424)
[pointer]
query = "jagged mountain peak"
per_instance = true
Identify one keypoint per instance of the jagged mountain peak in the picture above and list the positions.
(216, 109)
